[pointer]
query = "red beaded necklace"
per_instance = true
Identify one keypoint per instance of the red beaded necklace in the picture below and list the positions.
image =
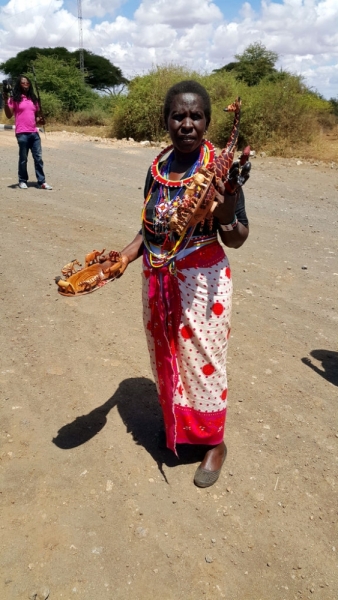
(209, 155)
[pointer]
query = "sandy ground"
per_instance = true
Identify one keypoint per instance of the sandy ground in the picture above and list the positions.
(90, 507)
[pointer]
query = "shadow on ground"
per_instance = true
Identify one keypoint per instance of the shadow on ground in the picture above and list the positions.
(30, 184)
(329, 360)
(137, 403)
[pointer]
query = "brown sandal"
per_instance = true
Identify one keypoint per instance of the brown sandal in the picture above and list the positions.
(205, 478)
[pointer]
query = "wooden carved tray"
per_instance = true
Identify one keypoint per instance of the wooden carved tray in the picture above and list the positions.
(104, 268)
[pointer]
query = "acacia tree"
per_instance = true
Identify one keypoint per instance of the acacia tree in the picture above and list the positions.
(100, 73)
(253, 65)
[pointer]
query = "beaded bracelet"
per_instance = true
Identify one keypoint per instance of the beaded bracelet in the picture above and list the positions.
(230, 226)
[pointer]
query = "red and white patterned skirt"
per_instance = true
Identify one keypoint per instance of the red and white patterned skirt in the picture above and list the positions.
(187, 322)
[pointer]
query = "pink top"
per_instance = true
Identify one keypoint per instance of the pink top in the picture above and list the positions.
(24, 112)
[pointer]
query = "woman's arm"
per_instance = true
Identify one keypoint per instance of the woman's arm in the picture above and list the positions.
(8, 110)
(236, 237)
(39, 116)
(131, 252)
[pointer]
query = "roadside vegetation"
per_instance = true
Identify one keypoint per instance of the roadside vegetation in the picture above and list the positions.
(280, 114)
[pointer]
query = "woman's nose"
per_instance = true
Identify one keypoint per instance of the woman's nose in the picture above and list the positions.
(187, 123)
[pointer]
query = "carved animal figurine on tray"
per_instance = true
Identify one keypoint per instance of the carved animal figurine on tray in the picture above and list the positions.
(93, 257)
(69, 268)
(91, 282)
(198, 201)
(66, 286)
(92, 277)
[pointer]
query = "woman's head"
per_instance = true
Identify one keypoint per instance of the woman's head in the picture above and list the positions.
(187, 115)
(23, 85)
(188, 86)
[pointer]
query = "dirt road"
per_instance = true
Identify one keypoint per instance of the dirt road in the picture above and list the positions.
(90, 507)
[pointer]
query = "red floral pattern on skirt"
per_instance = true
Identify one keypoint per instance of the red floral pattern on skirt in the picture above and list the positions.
(187, 323)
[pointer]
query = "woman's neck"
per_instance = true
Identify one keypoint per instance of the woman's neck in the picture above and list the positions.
(182, 162)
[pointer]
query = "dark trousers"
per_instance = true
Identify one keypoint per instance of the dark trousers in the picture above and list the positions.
(32, 142)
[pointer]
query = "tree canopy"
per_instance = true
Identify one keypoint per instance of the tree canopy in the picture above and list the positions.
(100, 73)
(253, 65)
(62, 80)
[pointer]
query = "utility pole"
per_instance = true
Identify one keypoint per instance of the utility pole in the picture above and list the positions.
(79, 15)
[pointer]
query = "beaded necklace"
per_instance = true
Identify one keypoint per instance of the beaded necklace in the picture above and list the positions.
(166, 203)
(207, 149)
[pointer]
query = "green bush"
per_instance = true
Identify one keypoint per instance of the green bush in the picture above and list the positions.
(66, 82)
(223, 89)
(93, 116)
(279, 114)
(51, 106)
(276, 114)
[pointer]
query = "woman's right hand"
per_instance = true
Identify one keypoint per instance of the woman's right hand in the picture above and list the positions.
(130, 253)
(125, 262)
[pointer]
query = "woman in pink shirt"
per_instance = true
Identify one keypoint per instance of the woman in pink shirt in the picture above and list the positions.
(25, 107)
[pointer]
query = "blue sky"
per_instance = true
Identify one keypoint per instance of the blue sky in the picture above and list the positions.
(128, 8)
(199, 34)
(229, 8)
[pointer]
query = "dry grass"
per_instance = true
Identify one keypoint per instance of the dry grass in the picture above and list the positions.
(324, 148)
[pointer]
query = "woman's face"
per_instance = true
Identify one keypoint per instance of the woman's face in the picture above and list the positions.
(186, 122)
(24, 84)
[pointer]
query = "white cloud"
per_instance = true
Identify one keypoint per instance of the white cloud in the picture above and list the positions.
(303, 33)
(119, 31)
(177, 13)
(192, 33)
(100, 8)
(24, 23)
(165, 36)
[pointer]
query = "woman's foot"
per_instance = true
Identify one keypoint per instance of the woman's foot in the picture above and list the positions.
(210, 468)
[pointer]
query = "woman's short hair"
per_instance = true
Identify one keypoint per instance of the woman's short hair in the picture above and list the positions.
(188, 86)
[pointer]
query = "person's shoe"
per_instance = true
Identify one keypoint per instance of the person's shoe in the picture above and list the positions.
(205, 478)
(45, 186)
(22, 185)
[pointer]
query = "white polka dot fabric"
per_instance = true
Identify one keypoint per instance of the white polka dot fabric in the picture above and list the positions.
(199, 397)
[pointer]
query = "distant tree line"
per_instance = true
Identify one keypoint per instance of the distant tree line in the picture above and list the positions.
(279, 111)
(100, 73)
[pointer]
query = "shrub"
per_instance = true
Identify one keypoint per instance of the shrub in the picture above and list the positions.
(66, 82)
(223, 89)
(51, 105)
(94, 116)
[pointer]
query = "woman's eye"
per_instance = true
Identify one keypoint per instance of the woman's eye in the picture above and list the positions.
(193, 117)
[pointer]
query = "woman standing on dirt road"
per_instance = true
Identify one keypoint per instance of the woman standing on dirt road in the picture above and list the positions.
(187, 285)
(25, 107)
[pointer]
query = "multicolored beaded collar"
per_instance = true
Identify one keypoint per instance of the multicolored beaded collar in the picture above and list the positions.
(208, 157)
